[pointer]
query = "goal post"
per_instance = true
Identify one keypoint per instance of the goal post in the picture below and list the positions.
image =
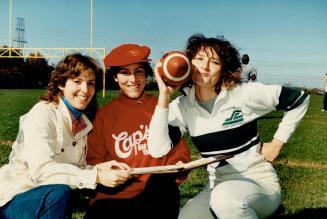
(56, 53)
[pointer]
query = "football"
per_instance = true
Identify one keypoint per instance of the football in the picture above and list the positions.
(175, 68)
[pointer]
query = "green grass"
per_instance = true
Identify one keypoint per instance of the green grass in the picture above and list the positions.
(301, 166)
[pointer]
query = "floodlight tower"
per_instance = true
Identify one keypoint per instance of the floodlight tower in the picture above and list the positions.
(20, 31)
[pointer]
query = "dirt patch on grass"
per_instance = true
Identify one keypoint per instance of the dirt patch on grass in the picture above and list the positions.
(298, 163)
(6, 142)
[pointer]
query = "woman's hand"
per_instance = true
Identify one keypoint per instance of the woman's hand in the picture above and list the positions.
(271, 150)
(165, 91)
(180, 164)
(112, 173)
(112, 165)
(181, 176)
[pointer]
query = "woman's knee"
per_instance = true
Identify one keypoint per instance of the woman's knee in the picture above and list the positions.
(242, 200)
(224, 204)
(59, 192)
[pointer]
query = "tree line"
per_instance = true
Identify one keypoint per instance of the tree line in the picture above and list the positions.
(34, 73)
(21, 72)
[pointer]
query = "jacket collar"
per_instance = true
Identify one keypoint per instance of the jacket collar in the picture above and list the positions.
(190, 93)
(67, 120)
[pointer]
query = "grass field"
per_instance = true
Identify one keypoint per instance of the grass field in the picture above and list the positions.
(302, 165)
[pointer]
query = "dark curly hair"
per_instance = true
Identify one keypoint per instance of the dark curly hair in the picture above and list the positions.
(70, 67)
(227, 53)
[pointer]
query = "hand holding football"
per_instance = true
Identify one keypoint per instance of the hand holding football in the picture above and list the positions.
(175, 68)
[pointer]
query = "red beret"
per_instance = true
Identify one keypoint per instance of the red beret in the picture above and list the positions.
(127, 54)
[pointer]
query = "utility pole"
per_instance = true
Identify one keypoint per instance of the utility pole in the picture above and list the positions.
(9, 43)
(91, 27)
(20, 32)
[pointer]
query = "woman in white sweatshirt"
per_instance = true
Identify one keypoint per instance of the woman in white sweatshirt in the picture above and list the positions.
(220, 113)
(48, 156)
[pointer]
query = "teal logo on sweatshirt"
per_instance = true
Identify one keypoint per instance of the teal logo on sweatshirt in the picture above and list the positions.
(236, 117)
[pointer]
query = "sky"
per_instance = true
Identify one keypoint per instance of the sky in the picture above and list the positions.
(285, 39)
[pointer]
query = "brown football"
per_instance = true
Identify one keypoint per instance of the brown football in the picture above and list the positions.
(175, 68)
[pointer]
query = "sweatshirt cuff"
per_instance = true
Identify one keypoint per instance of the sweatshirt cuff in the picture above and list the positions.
(87, 179)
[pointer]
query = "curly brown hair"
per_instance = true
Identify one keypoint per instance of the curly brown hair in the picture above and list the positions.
(70, 67)
(228, 55)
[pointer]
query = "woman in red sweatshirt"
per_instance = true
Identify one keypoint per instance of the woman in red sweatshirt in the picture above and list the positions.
(120, 133)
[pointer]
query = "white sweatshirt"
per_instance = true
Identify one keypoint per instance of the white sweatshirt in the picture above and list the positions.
(231, 127)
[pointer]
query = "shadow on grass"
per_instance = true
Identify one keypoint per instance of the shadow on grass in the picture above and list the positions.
(80, 202)
(271, 117)
(308, 213)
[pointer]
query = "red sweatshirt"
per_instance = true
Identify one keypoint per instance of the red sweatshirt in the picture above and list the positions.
(120, 133)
